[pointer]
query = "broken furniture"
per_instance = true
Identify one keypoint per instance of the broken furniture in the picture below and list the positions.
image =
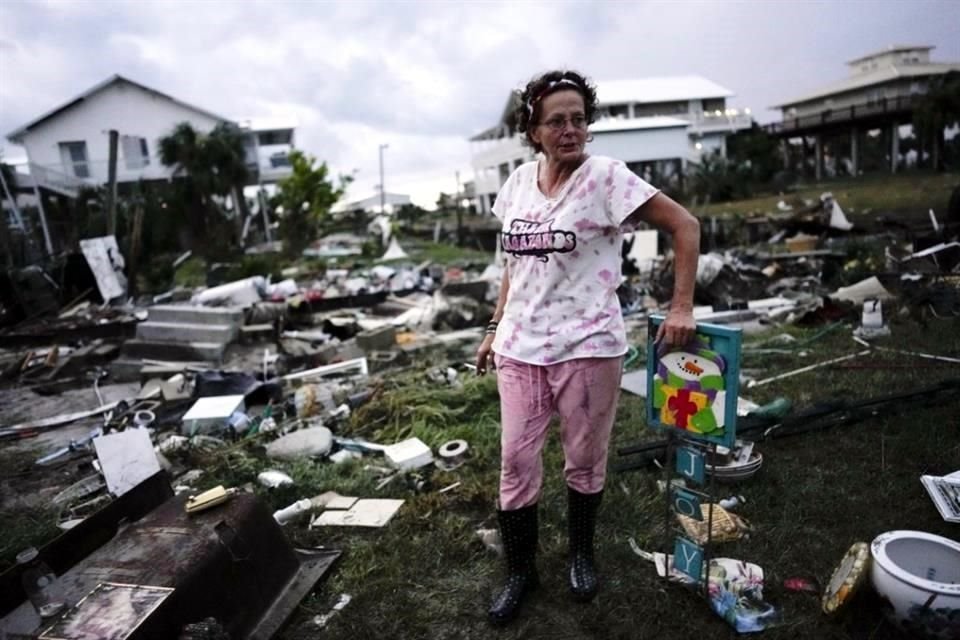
(231, 563)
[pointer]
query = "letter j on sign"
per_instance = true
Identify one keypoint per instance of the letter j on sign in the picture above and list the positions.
(690, 464)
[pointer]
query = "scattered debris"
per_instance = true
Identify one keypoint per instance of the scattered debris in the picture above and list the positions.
(725, 527)
(945, 493)
(363, 513)
(126, 459)
(408, 454)
(847, 578)
(322, 620)
(305, 443)
(273, 479)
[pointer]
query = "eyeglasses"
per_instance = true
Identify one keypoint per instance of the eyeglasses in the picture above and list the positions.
(559, 123)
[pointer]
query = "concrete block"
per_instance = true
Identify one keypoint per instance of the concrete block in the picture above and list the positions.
(382, 339)
(183, 333)
(191, 314)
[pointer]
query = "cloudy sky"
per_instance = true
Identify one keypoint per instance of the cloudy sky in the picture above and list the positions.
(422, 76)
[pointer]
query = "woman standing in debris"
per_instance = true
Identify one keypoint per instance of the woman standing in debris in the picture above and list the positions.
(557, 334)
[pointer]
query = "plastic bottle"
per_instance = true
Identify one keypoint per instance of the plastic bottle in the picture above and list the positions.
(285, 515)
(40, 584)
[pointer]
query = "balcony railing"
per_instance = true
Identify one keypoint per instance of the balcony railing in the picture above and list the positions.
(863, 110)
(55, 180)
(718, 120)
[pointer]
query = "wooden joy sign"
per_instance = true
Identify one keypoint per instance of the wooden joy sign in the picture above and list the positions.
(693, 389)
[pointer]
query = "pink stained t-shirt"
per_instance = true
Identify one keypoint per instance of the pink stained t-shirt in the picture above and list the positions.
(563, 256)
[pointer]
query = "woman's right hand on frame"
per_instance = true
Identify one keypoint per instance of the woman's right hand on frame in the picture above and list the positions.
(485, 354)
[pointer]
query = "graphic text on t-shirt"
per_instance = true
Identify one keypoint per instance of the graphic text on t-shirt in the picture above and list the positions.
(533, 238)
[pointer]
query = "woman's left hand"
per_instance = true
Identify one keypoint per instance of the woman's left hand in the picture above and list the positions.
(677, 329)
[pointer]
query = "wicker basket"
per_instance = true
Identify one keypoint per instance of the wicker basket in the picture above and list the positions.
(726, 526)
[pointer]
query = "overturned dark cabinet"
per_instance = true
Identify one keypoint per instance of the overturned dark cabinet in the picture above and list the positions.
(231, 563)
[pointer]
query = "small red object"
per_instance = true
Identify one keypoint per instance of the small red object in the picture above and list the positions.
(801, 584)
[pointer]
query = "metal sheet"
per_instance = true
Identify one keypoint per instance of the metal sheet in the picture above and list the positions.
(232, 563)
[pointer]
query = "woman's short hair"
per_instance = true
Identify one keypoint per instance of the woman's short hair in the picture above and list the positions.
(529, 110)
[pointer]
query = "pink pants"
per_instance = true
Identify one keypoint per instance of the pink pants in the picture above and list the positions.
(584, 392)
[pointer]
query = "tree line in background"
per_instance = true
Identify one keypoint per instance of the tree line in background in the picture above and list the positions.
(204, 209)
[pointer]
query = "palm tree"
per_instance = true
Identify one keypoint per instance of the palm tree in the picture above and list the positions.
(224, 149)
(209, 165)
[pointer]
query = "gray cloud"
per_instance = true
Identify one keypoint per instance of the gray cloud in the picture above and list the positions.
(426, 75)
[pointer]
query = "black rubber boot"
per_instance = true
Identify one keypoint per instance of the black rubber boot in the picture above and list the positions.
(518, 531)
(581, 522)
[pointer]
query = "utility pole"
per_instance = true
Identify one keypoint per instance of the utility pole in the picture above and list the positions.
(459, 213)
(383, 191)
(112, 184)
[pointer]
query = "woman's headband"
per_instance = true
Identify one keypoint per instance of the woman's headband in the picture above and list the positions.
(550, 85)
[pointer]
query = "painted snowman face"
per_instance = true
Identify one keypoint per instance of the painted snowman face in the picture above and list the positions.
(689, 366)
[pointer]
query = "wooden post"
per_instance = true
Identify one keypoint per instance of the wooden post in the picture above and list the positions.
(112, 184)
(894, 146)
(818, 157)
(43, 219)
(133, 262)
(854, 152)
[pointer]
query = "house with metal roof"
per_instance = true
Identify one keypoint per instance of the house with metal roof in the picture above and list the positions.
(876, 98)
(656, 125)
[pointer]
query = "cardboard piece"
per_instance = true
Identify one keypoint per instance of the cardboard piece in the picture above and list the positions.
(126, 459)
(106, 262)
(364, 513)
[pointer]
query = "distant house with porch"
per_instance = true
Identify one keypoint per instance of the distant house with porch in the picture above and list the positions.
(68, 147)
(656, 125)
(876, 98)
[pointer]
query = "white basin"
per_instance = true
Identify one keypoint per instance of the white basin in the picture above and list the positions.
(918, 576)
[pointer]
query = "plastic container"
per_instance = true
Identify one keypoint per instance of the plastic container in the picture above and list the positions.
(40, 584)
(285, 515)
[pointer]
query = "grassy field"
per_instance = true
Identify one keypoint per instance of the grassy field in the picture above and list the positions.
(905, 192)
(427, 575)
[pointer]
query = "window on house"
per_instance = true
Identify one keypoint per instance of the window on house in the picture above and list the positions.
(136, 153)
(619, 111)
(280, 136)
(713, 105)
(660, 109)
(74, 158)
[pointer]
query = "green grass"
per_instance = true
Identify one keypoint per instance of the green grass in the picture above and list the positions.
(28, 522)
(905, 192)
(192, 273)
(444, 253)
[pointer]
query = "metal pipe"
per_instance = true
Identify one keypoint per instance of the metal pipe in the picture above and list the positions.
(807, 368)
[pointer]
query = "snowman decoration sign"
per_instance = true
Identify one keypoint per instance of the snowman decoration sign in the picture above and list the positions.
(693, 388)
